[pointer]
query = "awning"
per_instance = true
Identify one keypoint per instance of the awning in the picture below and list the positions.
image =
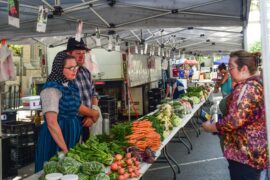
(193, 25)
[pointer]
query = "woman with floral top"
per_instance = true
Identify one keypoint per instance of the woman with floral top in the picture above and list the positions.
(244, 126)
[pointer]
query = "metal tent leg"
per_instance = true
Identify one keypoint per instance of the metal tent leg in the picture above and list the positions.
(195, 128)
(169, 162)
(172, 159)
(183, 142)
(187, 137)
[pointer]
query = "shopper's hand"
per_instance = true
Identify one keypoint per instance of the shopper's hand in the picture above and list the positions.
(209, 127)
(87, 122)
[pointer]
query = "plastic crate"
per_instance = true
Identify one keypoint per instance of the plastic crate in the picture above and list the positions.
(8, 116)
(154, 101)
(155, 92)
(23, 140)
(109, 110)
(22, 156)
(18, 128)
(108, 105)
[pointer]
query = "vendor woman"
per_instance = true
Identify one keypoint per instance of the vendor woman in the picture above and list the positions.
(60, 106)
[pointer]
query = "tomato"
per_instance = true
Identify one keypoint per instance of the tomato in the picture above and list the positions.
(121, 171)
(118, 157)
(121, 177)
(128, 155)
(114, 166)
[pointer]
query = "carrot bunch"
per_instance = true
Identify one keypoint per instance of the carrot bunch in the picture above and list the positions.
(144, 135)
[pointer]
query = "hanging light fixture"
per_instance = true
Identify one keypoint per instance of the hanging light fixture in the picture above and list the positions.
(110, 41)
(141, 47)
(159, 51)
(145, 48)
(136, 48)
(117, 43)
(97, 38)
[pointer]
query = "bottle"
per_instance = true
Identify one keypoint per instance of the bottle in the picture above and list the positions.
(106, 124)
(34, 89)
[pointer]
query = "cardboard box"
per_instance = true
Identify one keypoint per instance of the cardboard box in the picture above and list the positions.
(31, 102)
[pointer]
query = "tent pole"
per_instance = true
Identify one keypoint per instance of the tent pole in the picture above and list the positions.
(134, 34)
(1, 159)
(216, 30)
(245, 45)
(266, 64)
(99, 16)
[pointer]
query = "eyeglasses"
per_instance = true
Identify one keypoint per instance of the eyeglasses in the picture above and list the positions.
(231, 68)
(72, 68)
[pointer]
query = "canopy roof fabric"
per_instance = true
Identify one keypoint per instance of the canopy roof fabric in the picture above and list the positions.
(139, 19)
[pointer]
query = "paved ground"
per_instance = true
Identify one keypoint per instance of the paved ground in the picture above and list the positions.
(205, 162)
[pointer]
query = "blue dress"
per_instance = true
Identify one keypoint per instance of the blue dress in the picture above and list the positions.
(179, 90)
(68, 121)
(226, 87)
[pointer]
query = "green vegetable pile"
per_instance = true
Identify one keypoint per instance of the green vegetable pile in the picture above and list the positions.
(121, 130)
(100, 176)
(93, 168)
(68, 165)
(92, 150)
(83, 176)
(50, 167)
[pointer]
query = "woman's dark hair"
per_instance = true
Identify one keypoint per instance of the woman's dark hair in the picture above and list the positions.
(222, 66)
(67, 57)
(244, 58)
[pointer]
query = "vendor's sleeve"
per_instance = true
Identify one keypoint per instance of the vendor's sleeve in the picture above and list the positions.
(241, 115)
(50, 100)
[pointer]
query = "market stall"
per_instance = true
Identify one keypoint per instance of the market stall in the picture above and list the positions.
(170, 111)
(192, 15)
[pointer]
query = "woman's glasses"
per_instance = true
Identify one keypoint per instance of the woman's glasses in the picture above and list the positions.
(72, 68)
(231, 68)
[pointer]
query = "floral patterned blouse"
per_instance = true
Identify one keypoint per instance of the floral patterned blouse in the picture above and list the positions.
(244, 126)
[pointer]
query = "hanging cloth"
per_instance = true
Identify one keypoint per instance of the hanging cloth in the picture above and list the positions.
(6, 65)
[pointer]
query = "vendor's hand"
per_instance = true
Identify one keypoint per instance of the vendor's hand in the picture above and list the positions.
(87, 122)
(95, 115)
(209, 127)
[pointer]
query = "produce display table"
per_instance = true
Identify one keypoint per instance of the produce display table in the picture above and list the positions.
(184, 121)
(162, 149)
(35, 176)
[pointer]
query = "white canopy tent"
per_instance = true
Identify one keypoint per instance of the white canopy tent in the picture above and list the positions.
(198, 25)
(201, 26)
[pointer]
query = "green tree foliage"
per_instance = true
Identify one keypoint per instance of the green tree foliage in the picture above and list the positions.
(16, 49)
(255, 47)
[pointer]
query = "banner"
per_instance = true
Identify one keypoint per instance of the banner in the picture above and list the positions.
(42, 19)
(13, 13)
